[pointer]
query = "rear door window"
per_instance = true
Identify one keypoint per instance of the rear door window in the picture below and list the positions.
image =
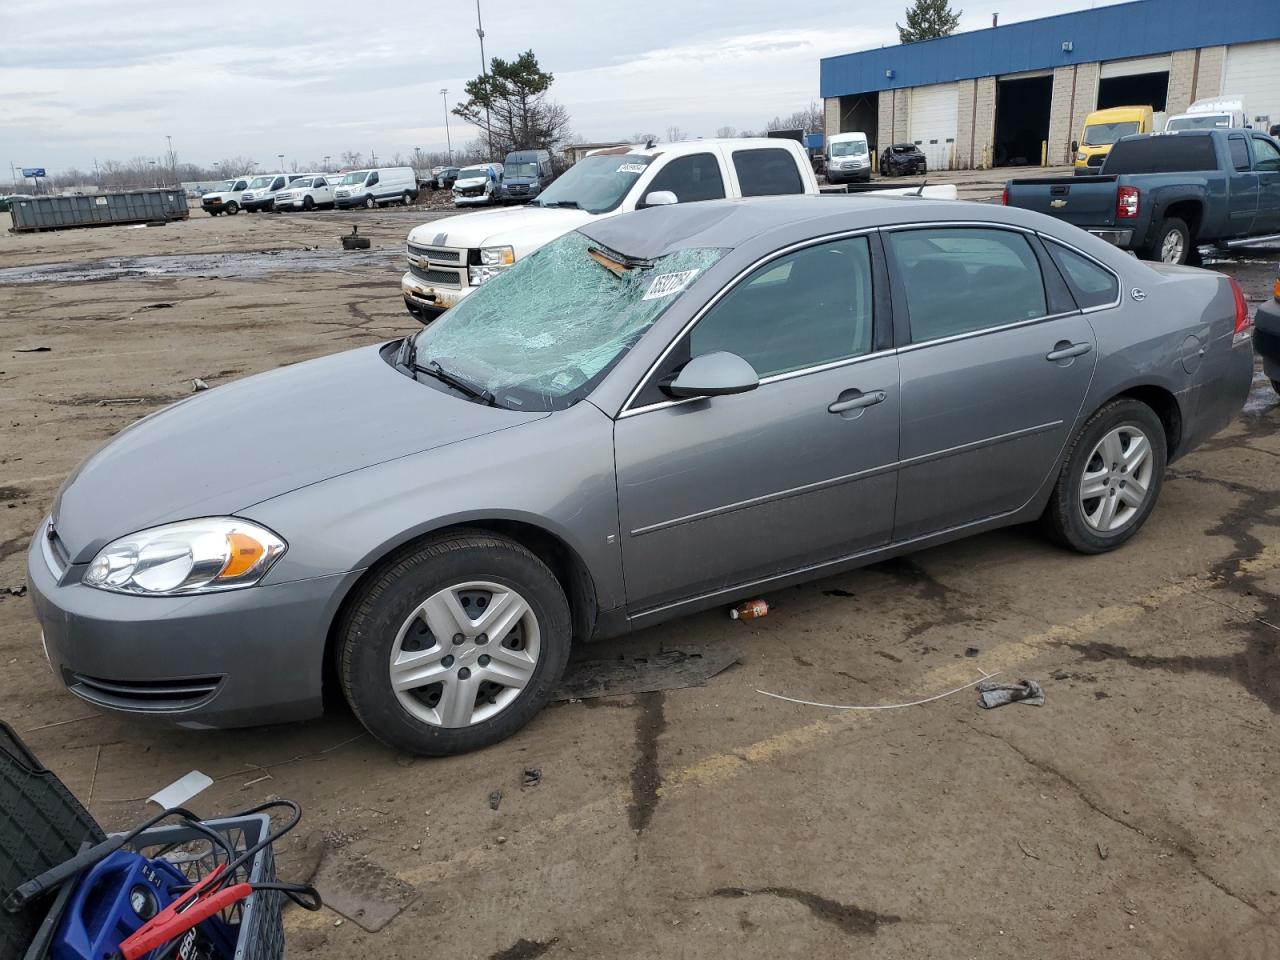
(1239, 152)
(695, 177)
(767, 171)
(1091, 284)
(958, 280)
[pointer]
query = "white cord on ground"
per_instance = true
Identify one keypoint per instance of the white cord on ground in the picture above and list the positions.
(882, 706)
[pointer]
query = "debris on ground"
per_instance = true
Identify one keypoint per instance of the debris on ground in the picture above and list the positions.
(668, 670)
(18, 591)
(197, 385)
(532, 777)
(495, 798)
(181, 790)
(156, 306)
(119, 401)
(991, 695)
(32, 349)
(363, 892)
(751, 610)
(971, 651)
(353, 240)
(881, 706)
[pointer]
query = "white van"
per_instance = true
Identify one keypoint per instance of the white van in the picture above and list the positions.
(1210, 113)
(226, 197)
(479, 185)
(848, 158)
(306, 192)
(376, 188)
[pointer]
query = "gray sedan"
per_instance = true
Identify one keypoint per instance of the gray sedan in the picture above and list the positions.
(659, 413)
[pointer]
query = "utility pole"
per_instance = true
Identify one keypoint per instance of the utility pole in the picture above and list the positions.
(173, 161)
(444, 93)
(484, 72)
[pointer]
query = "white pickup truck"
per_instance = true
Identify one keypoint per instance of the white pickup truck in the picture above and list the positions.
(447, 258)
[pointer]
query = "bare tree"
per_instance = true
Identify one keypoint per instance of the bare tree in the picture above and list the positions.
(642, 138)
(674, 133)
(725, 133)
(811, 120)
(352, 158)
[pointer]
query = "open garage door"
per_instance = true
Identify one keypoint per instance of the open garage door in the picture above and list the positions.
(933, 122)
(1022, 118)
(1140, 82)
(860, 113)
(1252, 74)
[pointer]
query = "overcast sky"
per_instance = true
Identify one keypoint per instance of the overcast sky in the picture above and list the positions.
(86, 79)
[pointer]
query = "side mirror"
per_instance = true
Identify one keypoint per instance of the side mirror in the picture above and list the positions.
(660, 198)
(1075, 146)
(713, 375)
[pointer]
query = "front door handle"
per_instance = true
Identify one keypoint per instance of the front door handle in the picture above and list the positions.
(856, 400)
(1065, 350)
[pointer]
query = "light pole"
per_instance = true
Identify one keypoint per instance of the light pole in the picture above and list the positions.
(444, 93)
(173, 161)
(281, 156)
(484, 72)
(326, 163)
(154, 181)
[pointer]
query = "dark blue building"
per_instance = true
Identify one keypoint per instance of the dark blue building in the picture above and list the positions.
(1008, 93)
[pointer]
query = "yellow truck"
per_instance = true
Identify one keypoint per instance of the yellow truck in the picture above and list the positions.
(1102, 128)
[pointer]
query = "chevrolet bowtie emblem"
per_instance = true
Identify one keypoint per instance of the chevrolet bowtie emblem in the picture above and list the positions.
(1057, 204)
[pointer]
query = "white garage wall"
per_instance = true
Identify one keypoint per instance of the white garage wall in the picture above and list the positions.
(933, 122)
(1131, 68)
(1252, 72)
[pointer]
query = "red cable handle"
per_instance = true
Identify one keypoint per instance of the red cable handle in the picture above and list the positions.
(181, 915)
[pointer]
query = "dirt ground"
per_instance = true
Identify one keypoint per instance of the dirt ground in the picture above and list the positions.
(1134, 815)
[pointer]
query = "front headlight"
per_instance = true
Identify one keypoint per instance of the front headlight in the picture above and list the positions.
(497, 256)
(1082, 155)
(194, 556)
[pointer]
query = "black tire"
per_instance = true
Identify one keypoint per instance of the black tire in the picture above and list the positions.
(1063, 518)
(1168, 226)
(231, 209)
(1275, 385)
(406, 199)
(386, 600)
(214, 213)
(308, 204)
(370, 203)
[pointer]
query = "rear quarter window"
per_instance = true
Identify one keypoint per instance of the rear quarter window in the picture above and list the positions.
(1163, 154)
(1091, 285)
(766, 172)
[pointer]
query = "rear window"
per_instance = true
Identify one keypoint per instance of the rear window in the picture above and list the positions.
(766, 172)
(1175, 154)
(1090, 284)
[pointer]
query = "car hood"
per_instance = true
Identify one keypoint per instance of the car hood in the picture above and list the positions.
(524, 228)
(219, 452)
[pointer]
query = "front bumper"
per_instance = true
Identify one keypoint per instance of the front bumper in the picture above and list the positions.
(346, 203)
(1118, 238)
(427, 302)
(1266, 338)
(253, 206)
(239, 658)
(483, 200)
(859, 175)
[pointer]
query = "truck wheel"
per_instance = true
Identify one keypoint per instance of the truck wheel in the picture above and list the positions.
(232, 208)
(308, 203)
(454, 644)
(1171, 242)
(1110, 480)
(406, 199)
(370, 203)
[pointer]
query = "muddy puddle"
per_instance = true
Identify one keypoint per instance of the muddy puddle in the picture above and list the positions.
(220, 266)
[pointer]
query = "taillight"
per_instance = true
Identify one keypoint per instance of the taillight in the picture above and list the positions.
(1126, 203)
(1004, 199)
(1244, 322)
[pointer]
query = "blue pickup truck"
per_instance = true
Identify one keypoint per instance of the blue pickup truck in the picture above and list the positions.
(1163, 195)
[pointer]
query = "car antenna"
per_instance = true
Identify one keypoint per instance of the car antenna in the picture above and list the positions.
(648, 144)
(920, 191)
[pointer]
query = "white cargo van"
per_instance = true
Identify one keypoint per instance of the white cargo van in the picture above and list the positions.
(376, 188)
(848, 158)
(261, 192)
(226, 198)
(1210, 113)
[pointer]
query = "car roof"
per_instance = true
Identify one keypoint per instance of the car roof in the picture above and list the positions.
(657, 231)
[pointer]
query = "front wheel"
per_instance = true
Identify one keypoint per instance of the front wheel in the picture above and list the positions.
(1171, 242)
(455, 644)
(232, 208)
(369, 203)
(406, 199)
(308, 203)
(1111, 478)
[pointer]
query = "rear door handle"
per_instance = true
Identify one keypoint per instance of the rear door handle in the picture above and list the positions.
(856, 400)
(1065, 350)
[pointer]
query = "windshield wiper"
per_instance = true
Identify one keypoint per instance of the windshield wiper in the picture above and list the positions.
(433, 369)
(571, 204)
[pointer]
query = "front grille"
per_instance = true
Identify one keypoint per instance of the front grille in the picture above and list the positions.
(436, 254)
(1096, 160)
(443, 278)
(470, 191)
(144, 694)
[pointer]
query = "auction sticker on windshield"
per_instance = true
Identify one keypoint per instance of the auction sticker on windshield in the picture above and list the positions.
(632, 168)
(665, 284)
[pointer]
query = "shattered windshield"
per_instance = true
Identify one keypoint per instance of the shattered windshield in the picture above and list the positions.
(542, 334)
(596, 184)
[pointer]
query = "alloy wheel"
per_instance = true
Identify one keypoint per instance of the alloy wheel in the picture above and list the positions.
(1171, 248)
(1117, 478)
(465, 654)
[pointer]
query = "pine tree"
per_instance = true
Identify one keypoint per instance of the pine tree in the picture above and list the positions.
(927, 19)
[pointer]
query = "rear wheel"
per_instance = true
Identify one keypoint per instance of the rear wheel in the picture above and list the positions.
(1171, 242)
(1111, 478)
(232, 208)
(456, 645)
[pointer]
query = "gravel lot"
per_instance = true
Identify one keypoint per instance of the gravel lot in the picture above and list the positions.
(1132, 816)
